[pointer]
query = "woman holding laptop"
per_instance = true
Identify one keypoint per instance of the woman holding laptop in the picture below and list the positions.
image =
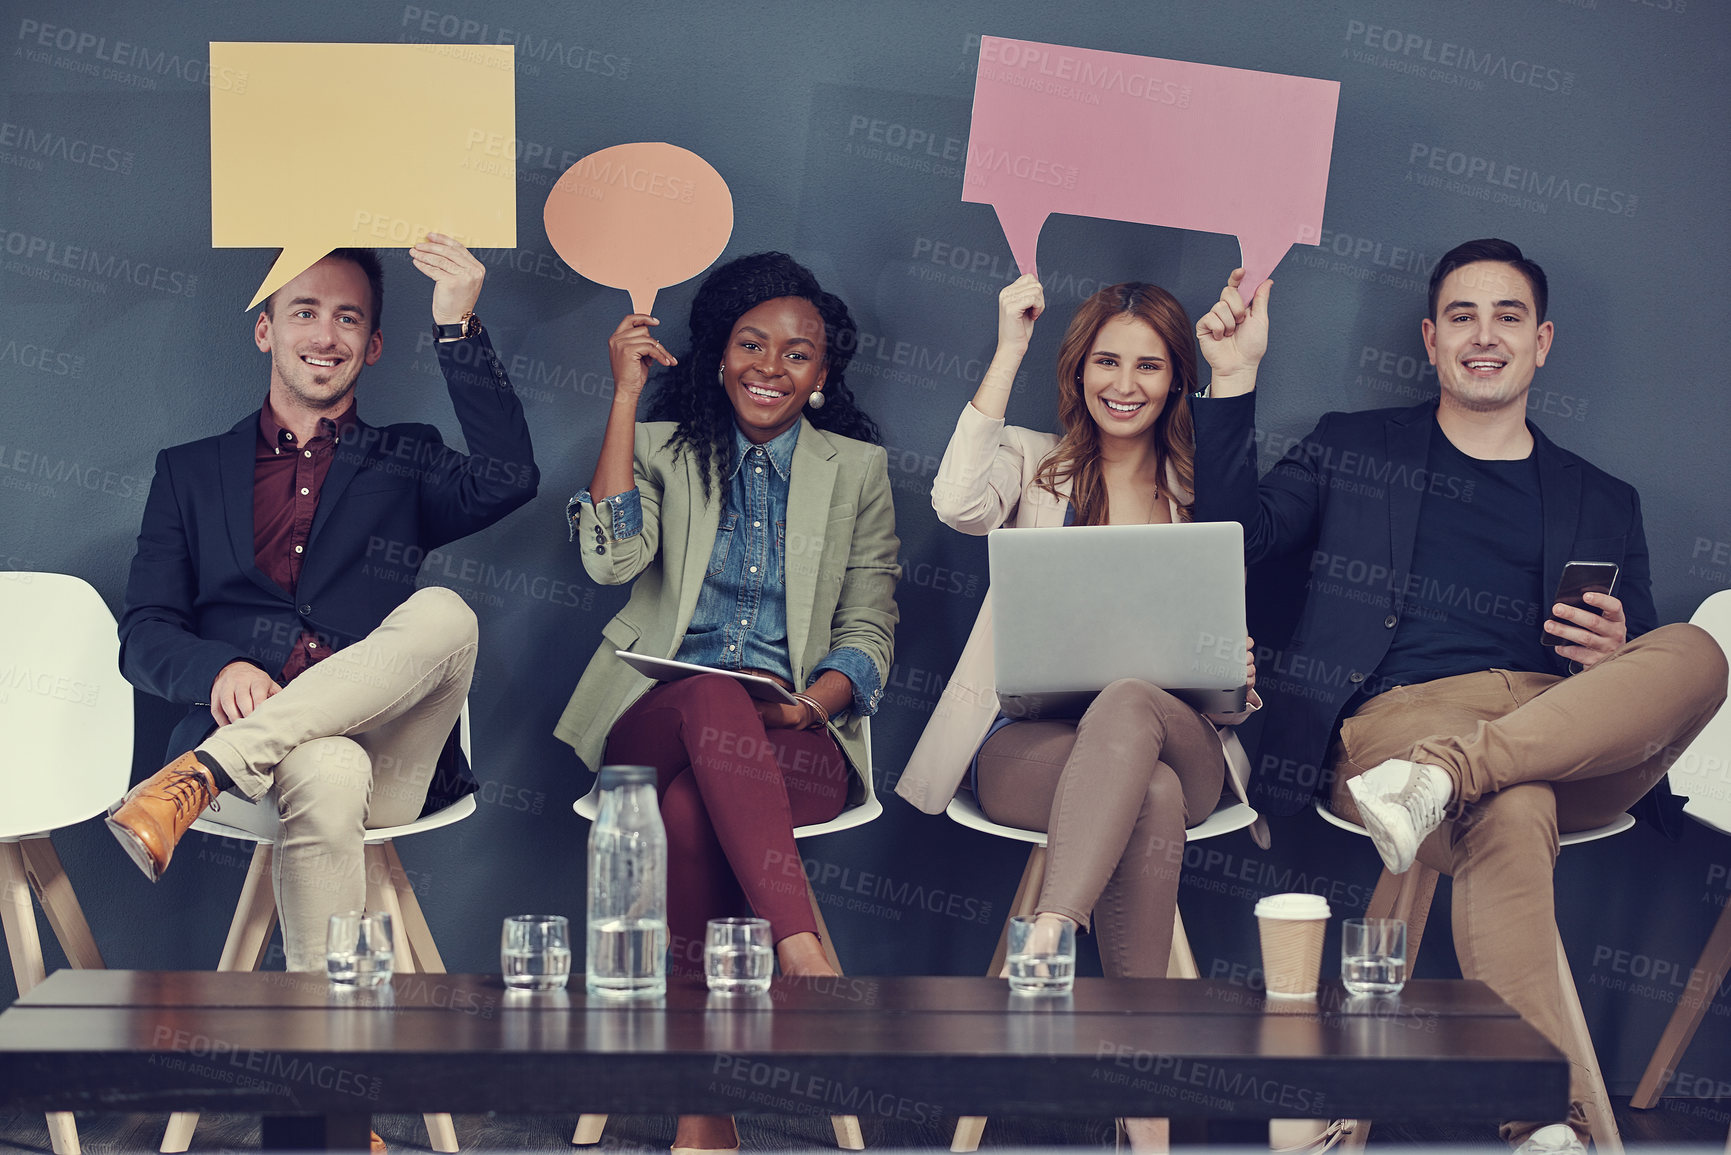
(753, 516)
(1115, 790)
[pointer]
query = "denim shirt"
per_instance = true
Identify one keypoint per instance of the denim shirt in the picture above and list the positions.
(741, 618)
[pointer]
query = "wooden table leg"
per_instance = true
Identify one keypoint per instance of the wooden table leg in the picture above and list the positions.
(317, 1133)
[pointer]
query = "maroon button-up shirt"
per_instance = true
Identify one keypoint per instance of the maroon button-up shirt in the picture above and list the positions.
(286, 479)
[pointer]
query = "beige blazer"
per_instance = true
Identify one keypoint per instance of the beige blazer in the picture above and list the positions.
(840, 572)
(986, 480)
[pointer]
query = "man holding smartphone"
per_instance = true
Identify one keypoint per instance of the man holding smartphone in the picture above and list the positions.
(1416, 688)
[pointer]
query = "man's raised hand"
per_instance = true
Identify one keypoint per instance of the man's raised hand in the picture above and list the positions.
(456, 275)
(1233, 337)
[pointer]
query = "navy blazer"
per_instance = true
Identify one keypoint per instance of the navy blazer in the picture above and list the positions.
(196, 602)
(1349, 493)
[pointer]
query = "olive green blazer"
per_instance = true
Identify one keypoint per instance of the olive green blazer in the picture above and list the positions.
(840, 572)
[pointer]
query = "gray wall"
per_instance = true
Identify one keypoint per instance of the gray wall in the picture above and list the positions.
(1616, 107)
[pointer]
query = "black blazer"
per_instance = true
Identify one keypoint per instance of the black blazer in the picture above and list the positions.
(196, 602)
(1349, 493)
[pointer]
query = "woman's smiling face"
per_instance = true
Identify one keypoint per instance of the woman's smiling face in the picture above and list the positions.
(1126, 377)
(773, 362)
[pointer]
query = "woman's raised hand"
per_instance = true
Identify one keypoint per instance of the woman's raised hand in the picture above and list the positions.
(633, 348)
(1019, 305)
(1234, 336)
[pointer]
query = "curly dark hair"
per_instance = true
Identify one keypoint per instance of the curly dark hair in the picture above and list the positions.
(689, 394)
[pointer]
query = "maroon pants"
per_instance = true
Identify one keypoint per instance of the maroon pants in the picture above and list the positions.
(731, 793)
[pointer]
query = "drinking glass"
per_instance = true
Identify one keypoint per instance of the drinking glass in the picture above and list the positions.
(1373, 956)
(1041, 962)
(358, 949)
(737, 957)
(535, 952)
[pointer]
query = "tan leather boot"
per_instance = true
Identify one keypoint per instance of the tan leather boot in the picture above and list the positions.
(150, 820)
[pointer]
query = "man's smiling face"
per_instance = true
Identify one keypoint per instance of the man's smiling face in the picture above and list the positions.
(1486, 340)
(319, 331)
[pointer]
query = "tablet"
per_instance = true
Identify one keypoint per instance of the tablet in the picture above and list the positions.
(670, 670)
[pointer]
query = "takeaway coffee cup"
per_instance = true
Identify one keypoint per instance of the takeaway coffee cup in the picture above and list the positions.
(1292, 927)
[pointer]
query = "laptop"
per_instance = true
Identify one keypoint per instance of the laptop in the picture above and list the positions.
(1075, 608)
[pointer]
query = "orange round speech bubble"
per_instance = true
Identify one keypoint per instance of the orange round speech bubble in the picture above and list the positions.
(640, 217)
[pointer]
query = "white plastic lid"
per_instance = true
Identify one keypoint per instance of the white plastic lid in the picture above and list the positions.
(1293, 906)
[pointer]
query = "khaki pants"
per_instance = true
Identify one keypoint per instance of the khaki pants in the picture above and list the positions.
(1532, 755)
(351, 745)
(1114, 793)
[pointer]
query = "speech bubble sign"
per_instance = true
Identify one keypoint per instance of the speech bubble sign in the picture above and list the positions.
(640, 217)
(1159, 142)
(331, 145)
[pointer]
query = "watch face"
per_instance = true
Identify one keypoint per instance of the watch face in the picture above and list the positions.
(471, 325)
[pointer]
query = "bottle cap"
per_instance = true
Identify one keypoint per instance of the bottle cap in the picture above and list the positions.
(615, 776)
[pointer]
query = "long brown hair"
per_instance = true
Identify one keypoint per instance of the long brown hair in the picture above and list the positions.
(1077, 456)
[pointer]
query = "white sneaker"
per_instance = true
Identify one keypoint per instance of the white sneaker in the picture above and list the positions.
(1400, 803)
(1556, 1139)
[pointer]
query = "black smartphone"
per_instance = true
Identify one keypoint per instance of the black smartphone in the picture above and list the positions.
(1580, 578)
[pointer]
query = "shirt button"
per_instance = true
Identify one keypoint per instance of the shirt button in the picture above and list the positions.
(756, 524)
(745, 621)
(1388, 623)
(300, 549)
(306, 453)
(730, 649)
(1355, 678)
(753, 569)
(306, 609)
(312, 645)
(305, 491)
(600, 549)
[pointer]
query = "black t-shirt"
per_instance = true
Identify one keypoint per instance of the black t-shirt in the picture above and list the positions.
(1474, 599)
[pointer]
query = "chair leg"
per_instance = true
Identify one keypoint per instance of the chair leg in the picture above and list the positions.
(848, 1135)
(1692, 1007)
(18, 917)
(383, 869)
(243, 950)
(1407, 897)
(589, 1129)
(254, 915)
(24, 944)
(54, 891)
(1027, 898)
(969, 1128)
(1182, 963)
(1600, 1120)
(420, 936)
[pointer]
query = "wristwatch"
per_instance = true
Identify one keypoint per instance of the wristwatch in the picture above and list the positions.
(466, 326)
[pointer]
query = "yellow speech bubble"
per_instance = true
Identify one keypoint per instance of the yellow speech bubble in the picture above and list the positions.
(332, 145)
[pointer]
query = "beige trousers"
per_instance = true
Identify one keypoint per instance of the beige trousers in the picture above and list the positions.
(1114, 793)
(350, 745)
(1532, 755)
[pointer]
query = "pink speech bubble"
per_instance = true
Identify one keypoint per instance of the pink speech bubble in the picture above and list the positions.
(1159, 142)
(640, 217)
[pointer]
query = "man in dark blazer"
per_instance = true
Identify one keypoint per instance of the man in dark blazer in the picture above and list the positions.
(273, 591)
(1416, 691)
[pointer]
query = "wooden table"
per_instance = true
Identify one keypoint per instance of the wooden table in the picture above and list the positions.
(317, 1062)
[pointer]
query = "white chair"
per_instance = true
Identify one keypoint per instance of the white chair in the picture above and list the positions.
(1702, 774)
(848, 1135)
(388, 890)
(66, 714)
(1408, 897)
(965, 810)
